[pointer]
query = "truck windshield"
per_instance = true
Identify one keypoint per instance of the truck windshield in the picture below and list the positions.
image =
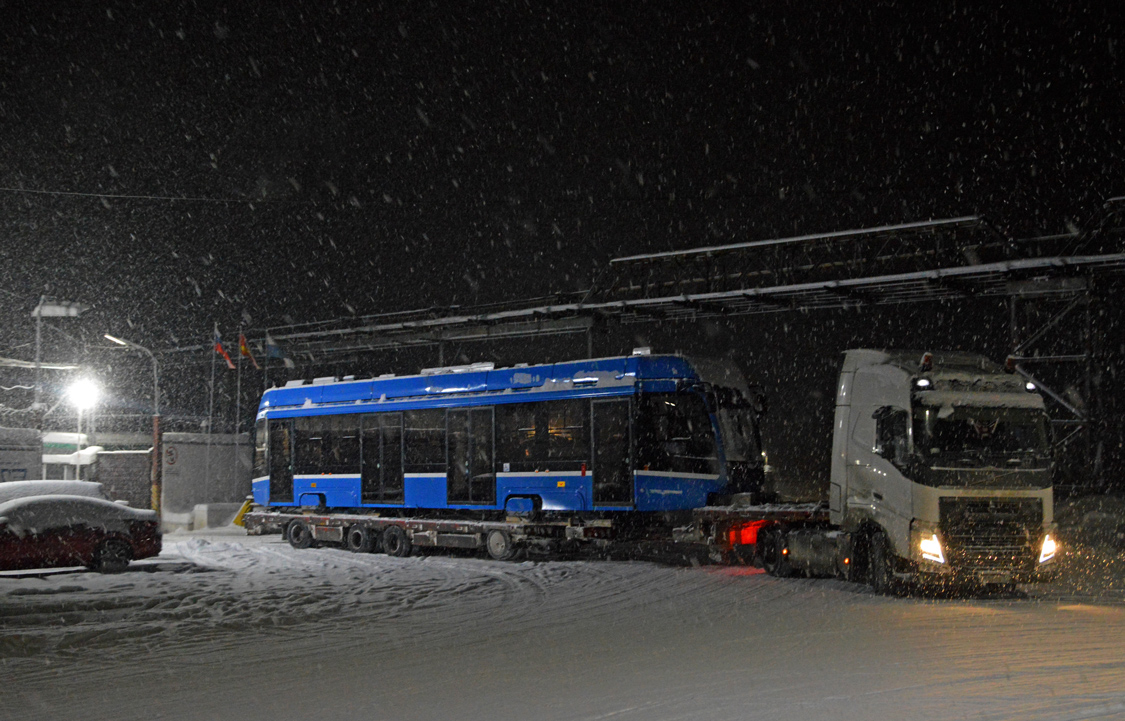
(974, 436)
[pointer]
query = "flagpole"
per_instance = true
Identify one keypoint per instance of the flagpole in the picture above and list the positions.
(210, 420)
(238, 400)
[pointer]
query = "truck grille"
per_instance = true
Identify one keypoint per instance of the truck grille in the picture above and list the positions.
(991, 533)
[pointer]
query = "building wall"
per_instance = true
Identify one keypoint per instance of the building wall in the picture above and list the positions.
(21, 454)
(126, 475)
(204, 469)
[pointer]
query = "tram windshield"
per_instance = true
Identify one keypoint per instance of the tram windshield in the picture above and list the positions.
(737, 424)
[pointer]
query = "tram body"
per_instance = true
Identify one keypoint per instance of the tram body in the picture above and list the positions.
(632, 433)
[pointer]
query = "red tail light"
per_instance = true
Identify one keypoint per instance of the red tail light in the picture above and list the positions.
(745, 534)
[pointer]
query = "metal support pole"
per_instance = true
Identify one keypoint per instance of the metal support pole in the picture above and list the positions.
(210, 422)
(238, 402)
(155, 472)
(38, 363)
(156, 476)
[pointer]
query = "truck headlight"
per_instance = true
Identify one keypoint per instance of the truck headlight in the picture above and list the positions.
(1050, 548)
(925, 543)
(931, 548)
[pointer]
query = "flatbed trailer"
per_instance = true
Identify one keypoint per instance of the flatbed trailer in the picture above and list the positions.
(397, 536)
(722, 534)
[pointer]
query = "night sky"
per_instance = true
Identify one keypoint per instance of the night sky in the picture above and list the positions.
(179, 164)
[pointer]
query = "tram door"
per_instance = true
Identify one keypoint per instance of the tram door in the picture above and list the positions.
(381, 480)
(613, 476)
(281, 461)
(471, 476)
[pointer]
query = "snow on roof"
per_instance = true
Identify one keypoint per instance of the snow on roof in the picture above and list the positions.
(24, 489)
(35, 514)
(968, 399)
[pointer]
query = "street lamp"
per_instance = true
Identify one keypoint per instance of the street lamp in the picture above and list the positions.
(48, 308)
(83, 393)
(154, 475)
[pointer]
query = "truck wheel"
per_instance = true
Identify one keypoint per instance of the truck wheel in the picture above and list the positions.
(499, 545)
(772, 544)
(360, 539)
(396, 542)
(299, 534)
(879, 572)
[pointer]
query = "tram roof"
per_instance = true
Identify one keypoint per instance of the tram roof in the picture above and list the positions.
(579, 377)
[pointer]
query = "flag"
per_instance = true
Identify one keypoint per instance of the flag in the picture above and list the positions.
(273, 350)
(222, 351)
(245, 350)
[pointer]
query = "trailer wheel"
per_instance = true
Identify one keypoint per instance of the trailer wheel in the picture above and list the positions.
(771, 541)
(499, 545)
(396, 542)
(359, 539)
(299, 534)
(879, 571)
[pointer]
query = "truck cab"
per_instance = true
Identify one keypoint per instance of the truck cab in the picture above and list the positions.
(941, 469)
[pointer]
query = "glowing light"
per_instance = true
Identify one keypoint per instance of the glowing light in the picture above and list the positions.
(1050, 548)
(931, 549)
(83, 393)
(1029, 387)
(922, 383)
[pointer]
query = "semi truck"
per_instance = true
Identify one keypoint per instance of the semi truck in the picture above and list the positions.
(941, 471)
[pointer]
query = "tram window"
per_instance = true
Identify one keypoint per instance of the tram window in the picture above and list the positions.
(674, 433)
(568, 429)
(425, 441)
(260, 468)
(341, 444)
(551, 435)
(516, 437)
(309, 434)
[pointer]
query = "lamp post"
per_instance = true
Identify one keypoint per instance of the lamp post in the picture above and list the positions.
(154, 475)
(83, 394)
(48, 308)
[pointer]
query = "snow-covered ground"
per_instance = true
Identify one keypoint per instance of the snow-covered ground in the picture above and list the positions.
(223, 626)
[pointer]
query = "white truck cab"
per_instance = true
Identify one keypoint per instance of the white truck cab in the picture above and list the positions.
(941, 467)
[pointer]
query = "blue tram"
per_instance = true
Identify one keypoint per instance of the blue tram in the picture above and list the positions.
(634, 433)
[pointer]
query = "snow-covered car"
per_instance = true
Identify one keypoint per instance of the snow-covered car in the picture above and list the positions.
(63, 530)
(22, 489)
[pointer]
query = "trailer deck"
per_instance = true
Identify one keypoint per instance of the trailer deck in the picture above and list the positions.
(724, 534)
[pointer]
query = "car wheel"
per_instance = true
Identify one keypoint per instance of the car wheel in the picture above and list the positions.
(299, 534)
(499, 545)
(112, 556)
(360, 539)
(880, 574)
(396, 542)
